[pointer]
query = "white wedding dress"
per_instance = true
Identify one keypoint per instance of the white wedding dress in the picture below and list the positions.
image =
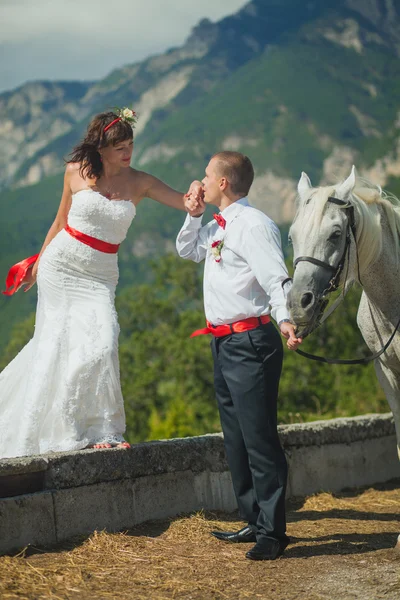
(62, 391)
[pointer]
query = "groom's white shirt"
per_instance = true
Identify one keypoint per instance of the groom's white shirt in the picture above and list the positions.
(247, 282)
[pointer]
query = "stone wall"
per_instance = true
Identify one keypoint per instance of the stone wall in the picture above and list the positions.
(51, 498)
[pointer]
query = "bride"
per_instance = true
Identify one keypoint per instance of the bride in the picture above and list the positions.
(62, 391)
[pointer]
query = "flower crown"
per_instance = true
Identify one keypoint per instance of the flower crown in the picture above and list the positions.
(123, 114)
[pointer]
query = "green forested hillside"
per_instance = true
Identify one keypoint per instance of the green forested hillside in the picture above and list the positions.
(291, 106)
(288, 106)
(167, 377)
(26, 215)
(323, 73)
(297, 86)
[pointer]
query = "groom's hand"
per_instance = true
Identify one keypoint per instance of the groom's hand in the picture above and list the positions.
(194, 199)
(288, 331)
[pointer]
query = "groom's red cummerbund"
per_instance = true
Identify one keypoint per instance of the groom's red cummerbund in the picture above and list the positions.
(237, 327)
(91, 241)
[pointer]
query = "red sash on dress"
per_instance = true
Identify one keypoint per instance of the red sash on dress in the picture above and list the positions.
(92, 242)
(237, 327)
(17, 273)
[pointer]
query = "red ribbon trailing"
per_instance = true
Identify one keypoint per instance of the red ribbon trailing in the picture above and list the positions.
(92, 242)
(237, 327)
(17, 274)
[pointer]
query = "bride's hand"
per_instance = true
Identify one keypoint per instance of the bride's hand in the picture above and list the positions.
(194, 199)
(196, 190)
(30, 277)
(194, 207)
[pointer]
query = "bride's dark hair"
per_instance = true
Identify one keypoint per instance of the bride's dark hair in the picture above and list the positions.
(87, 151)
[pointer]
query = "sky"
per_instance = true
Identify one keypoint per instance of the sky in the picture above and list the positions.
(86, 39)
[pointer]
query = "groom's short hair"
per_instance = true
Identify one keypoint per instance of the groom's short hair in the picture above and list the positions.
(238, 170)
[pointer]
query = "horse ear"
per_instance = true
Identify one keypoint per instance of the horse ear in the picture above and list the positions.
(348, 185)
(304, 186)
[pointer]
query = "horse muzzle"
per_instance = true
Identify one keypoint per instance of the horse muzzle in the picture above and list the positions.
(306, 313)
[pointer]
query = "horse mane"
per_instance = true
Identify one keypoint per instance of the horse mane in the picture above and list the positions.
(369, 200)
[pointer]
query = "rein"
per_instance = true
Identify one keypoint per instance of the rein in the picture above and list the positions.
(333, 286)
(351, 361)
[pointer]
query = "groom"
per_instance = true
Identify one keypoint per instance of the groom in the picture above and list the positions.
(244, 270)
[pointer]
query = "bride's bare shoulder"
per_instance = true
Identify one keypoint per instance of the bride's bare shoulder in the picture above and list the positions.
(140, 180)
(137, 175)
(72, 172)
(75, 177)
(72, 167)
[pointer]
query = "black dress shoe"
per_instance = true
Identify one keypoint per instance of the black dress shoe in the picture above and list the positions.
(245, 535)
(268, 549)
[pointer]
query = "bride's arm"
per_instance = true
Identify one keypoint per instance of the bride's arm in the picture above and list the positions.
(161, 192)
(58, 224)
(62, 214)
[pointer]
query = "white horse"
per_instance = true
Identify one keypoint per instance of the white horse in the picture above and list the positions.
(336, 243)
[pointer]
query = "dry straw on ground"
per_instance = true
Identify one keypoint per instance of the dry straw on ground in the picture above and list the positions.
(342, 548)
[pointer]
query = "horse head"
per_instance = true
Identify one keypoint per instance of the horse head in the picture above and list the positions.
(321, 236)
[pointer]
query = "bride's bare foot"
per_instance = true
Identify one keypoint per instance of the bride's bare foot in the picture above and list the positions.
(99, 446)
(123, 445)
(108, 445)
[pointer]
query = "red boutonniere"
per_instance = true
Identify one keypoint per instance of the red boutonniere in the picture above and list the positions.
(216, 249)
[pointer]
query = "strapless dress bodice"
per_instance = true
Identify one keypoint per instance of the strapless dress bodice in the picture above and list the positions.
(93, 214)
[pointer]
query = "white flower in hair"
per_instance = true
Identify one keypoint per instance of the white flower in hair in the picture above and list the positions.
(128, 115)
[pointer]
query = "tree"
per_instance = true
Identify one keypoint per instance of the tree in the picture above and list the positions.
(167, 378)
(310, 389)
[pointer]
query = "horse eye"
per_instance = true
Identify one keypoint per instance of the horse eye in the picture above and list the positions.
(289, 239)
(335, 234)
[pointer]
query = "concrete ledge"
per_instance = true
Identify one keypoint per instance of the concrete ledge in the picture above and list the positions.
(337, 466)
(337, 431)
(47, 499)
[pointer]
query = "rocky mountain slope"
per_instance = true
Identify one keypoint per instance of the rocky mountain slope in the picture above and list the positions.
(40, 121)
(313, 86)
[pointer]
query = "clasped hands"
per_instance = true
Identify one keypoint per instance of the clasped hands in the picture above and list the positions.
(194, 199)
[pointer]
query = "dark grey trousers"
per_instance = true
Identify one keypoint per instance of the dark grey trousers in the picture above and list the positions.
(247, 369)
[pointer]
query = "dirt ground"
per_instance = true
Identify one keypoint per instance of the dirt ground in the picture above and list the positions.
(342, 548)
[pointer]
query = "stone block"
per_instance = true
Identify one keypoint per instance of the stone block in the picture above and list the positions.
(82, 510)
(337, 431)
(215, 491)
(27, 520)
(334, 467)
(165, 495)
(87, 467)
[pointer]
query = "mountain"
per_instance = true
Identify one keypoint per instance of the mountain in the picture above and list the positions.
(31, 117)
(41, 121)
(298, 86)
(49, 112)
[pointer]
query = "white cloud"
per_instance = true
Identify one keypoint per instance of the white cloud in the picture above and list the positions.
(85, 39)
